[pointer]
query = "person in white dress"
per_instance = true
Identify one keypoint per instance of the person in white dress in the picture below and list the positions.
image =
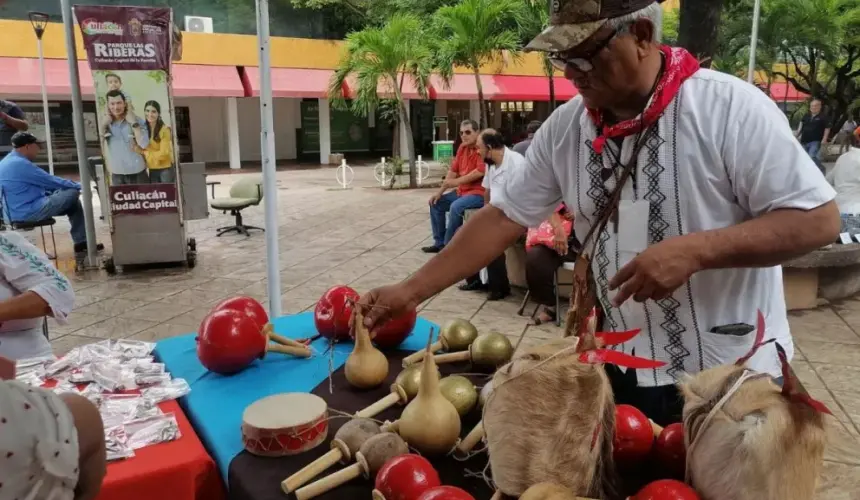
(31, 288)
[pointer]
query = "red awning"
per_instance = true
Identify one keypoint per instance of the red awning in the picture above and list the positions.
(783, 91)
(20, 77)
(384, 91)
(194, 80)
(291, 82)
(463, 87)
(532, 88)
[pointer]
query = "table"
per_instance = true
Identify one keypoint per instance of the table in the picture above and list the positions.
(178, 470)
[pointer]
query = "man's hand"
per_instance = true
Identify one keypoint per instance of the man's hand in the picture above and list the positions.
(449, 183)
(381, 304)
(435, 198)
(4, 117)
(658, 271)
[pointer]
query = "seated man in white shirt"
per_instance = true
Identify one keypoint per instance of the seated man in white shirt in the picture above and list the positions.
(491, 146)
(717, 194)
(845, 177)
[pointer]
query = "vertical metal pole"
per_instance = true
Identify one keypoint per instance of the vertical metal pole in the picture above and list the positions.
(45, 110)
(267, 143)
(754, 41)
(80, 135)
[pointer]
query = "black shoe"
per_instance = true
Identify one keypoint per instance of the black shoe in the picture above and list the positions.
(431, 249)
(472, 286)
(498, 295)
(82, 247)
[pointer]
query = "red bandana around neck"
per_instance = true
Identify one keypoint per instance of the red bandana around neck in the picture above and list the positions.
(679, 65)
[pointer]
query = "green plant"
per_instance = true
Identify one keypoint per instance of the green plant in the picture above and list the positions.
(384, 57)
(476, 32)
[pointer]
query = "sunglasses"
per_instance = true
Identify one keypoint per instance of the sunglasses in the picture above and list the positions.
(465, 132)
(581, 63)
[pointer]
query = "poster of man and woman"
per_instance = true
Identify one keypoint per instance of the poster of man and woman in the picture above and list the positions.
(129, 53)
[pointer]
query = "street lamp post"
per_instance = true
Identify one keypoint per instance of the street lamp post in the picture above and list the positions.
(39, 20)
(754, 41)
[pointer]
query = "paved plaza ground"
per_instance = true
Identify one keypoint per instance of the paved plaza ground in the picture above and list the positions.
(366, 237)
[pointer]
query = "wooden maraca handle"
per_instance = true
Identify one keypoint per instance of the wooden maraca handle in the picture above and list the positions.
(419, 355)
(452, 357)
(280, 339)
(329, 482)
(311, 471)
(391, 426)
(471, 440)
(379, 406)
(302, 352)
(656, 428)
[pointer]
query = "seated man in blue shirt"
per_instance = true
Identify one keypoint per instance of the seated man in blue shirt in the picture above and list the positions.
(30, 194)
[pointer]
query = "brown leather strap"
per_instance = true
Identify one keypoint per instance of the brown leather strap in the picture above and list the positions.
(615, 197)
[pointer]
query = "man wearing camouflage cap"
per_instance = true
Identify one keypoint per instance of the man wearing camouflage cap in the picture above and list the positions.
(702, 187)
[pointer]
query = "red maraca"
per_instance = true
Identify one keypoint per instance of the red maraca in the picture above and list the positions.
(393, 332)
(670, 449)
(251, 308)
(634, 436)
(229, 341)
(405, 477)
(333, 311)
(666, 489)
(247, 306)
(445, 493)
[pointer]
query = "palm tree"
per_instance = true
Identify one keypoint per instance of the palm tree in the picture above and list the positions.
(383, 58)
(532, 17)
(475, 32)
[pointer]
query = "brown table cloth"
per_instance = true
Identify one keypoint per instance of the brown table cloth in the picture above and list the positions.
(258, 478)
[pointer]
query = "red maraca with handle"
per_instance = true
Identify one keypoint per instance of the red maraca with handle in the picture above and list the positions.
(405, 477)
(229, 341)
(252, 309)
(445, 493)
(666, 489)
(333, 312)
(671, 451)
(634, 436)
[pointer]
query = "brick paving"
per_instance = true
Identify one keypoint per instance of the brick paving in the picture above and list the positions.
(366, 237)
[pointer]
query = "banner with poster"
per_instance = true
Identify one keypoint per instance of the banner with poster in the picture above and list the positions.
(129, 51)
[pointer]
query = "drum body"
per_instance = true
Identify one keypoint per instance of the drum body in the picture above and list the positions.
(285, 424)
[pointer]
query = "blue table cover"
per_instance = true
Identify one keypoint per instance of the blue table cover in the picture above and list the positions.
(216, 402)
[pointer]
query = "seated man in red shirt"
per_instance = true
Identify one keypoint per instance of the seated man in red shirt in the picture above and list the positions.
(466, 174)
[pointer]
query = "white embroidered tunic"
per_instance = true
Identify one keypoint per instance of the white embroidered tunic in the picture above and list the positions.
(26, 268)
(721, 154)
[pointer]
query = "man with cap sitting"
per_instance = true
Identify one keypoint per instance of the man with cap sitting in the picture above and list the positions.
(695, 187)
(30, 194)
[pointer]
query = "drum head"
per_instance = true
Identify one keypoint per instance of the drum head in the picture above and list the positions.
(284, 410)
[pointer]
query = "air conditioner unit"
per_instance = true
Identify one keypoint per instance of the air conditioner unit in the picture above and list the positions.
(198, 24)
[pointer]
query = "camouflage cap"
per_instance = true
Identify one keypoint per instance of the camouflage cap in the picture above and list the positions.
(571, 22)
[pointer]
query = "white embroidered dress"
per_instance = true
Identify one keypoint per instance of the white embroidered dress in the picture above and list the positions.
(26, 268)
(721, 154)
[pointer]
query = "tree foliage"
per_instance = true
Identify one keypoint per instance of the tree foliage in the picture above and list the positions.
(814, 45)
(532, 17)
(381, 59)
(476, 32)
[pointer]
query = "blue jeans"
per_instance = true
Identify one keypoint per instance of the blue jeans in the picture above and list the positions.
(813, 149)
(456, 206)
(64, 202)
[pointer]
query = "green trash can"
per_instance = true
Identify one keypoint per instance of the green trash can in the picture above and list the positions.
(442, 150)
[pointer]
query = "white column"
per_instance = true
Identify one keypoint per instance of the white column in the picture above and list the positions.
(325, 131)
(233, 149)
(404, 149)
(475, 110)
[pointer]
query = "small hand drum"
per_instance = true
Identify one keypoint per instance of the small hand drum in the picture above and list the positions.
(285, 424)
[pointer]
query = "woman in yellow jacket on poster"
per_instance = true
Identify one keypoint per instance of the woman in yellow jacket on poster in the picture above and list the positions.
(159, 153)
